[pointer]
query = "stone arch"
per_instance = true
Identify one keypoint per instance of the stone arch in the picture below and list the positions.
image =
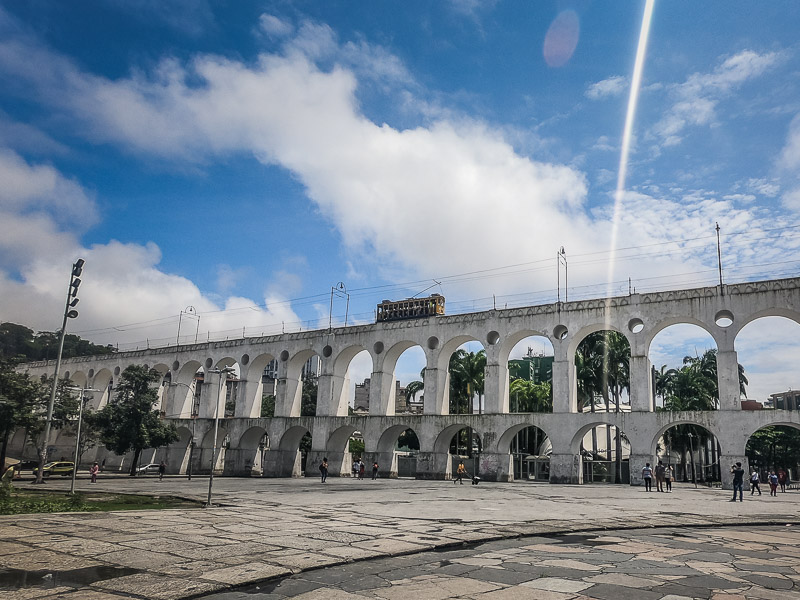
(442, 442)
(186, 391)
(506, 438)
(586, 467)
(392, 463)
(659, 326)
(775, 311)
(178, 454)
(285, 459)
(246, 457)
(79, 379)
(383, 393)
(443, 370)
(751, 429)
(163, 387)
(292, 401)
(528, 462)
(703, 453)
(229, 397)
(253, 382)
(207, 447)
(340, 381)
(102, 380)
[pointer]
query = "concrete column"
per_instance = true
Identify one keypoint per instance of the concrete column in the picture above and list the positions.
(726, 461)
(641, 384)
(495, 467)
(562, 386)
(434, 465)
(566, 468)
(326, 405)
(248, 400)
(387, 464)
(209, 393)
(636, 464)
(435, 384)
(381, 394)
(495, 393)
(728, 378)
(282, 463)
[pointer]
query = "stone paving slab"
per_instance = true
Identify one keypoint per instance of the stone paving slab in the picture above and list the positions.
(268, 528)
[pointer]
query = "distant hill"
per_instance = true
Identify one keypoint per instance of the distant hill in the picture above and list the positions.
(20, 344)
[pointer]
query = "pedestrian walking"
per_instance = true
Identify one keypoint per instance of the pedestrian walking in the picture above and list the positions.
(647, 476)
(754, 479)
(93, 472)
(374, 470)
(461, 471)
(669, 475)
(323, 469)
(782, 479)
(738, 481)
(361, 469)
(162, 468)
(660, 471)
(773, 484)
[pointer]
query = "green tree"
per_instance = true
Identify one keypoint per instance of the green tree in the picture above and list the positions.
(129, 422)
(268, 405)
(413, 388)
(19, 403)
(308, 403)
(528, 396)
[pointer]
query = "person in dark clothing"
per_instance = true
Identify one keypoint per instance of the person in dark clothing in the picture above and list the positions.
(738, 481)
(375, 470)
(660, 470)
(162, 468)
(323, 469)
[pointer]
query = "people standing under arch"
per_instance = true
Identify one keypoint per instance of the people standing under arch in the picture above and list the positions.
(782, 479)
(738, 481)
(754, 479)
(647, 476)
(660, 471)
(773, 484)
(669, 475)
(374, 470)
(461, 471)
(323, 469)
(361, 469)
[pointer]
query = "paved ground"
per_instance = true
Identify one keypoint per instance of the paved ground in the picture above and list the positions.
(269, 528)
(666, 564)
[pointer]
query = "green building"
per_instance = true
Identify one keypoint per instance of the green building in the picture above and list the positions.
(538, 369)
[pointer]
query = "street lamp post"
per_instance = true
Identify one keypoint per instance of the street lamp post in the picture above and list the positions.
(69, 313)
(691, 455)
(221, 373)
(78, 435)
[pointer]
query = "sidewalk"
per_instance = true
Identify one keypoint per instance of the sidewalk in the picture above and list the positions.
(268, 528)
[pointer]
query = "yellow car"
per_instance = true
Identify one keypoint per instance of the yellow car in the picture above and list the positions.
(56, 468)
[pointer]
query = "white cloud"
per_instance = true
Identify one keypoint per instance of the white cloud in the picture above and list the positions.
(763, 187)
(791, 200)
(695, 100)
(790, 155)
(607, 88)
(275, 26)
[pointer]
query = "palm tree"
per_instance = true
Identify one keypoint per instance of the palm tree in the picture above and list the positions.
(413, 388)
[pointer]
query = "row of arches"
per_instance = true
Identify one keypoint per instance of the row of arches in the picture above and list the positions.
(187, 388)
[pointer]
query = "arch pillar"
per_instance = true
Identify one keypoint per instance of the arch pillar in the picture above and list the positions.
(641, 385)
(327, 405)
(563, 373)
(248, 405)
(434, 465)
(436, 384)
(728, 379)
(209, 392)
(566, 468)
(725, 463)
(282, 463)
(288, 393)
(382, 393)
(496, 467)
(495, 394)
(636, 463)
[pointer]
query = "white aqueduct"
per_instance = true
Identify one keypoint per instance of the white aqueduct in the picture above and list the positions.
(722, 311)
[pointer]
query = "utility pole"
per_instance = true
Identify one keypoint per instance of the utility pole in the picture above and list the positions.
(69, 313)
(719, 262)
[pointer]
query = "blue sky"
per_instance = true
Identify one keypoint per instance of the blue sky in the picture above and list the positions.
(244, 157)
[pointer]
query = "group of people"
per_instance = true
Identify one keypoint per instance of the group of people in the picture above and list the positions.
(359, 468)
(781, 478)
(663, 474)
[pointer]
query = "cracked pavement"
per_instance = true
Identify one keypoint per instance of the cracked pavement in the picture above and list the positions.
(271, 528)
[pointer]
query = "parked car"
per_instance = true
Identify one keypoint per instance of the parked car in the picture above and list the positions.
(56, 468)
(148, 468)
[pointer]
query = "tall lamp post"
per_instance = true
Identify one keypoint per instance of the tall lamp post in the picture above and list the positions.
(691, 455)
(78, 434)
(221, 372)
(69, 313)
